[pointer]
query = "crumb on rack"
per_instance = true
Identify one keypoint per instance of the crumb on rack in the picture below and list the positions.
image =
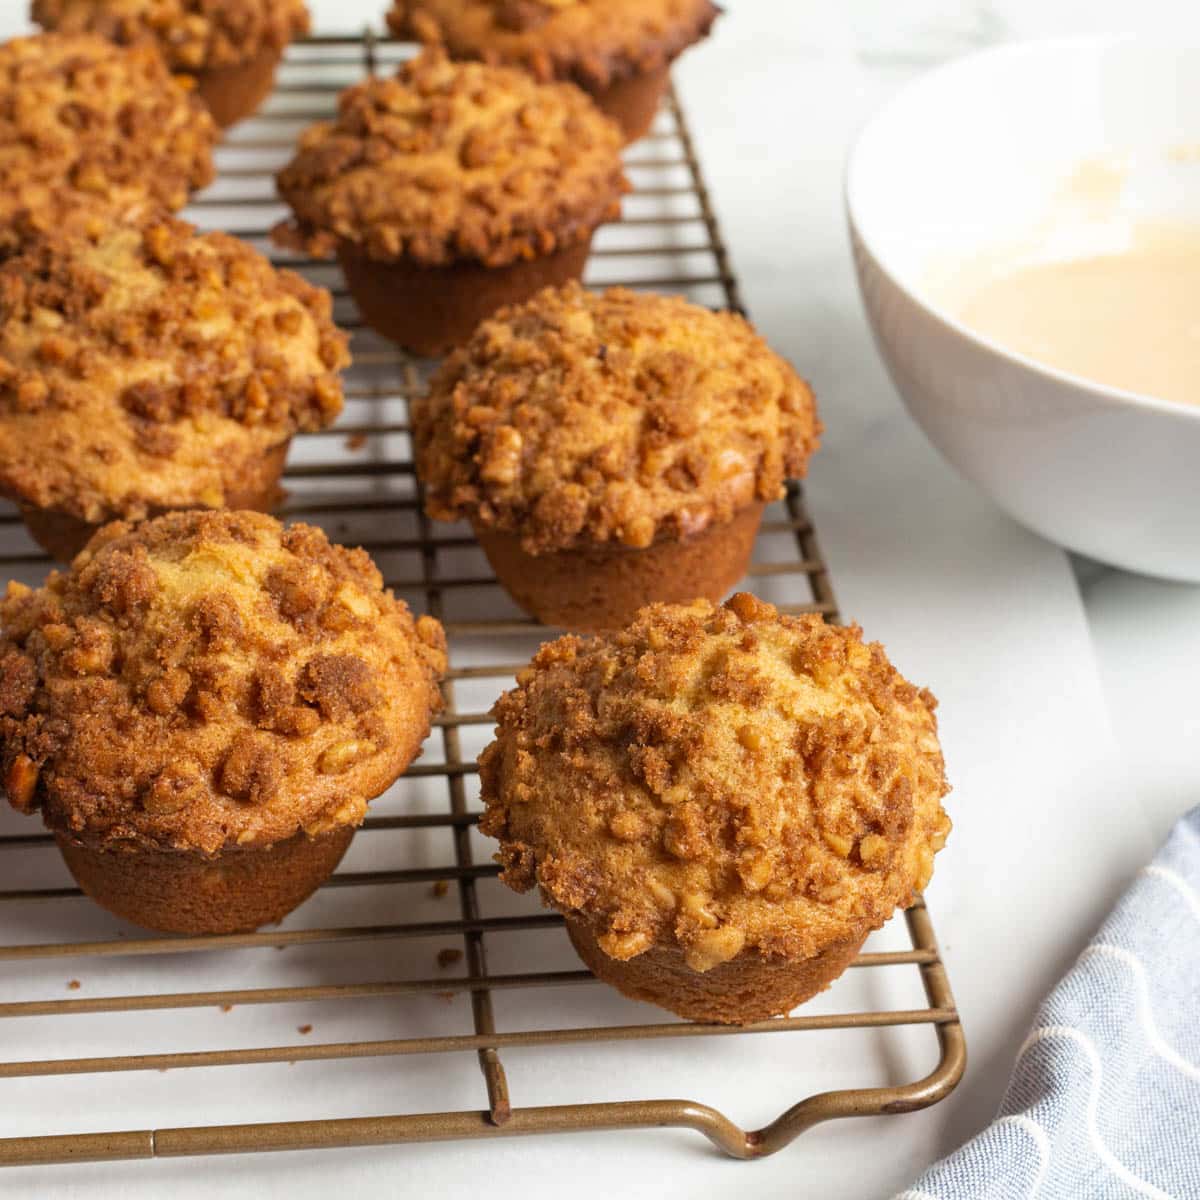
(88, 127)
(686, 418)
(356, 441)
(191, 37)
(665, 761)
(191, 362)
(448, 956)
(217, 678)
(440, 888)
(304, 1029)
(593, 45)
(445, 162)
(73, 985)
(227, 1008)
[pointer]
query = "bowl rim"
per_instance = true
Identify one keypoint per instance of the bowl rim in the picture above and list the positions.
(1113, 396)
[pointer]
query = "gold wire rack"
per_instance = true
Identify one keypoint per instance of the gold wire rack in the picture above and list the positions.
(357, 481)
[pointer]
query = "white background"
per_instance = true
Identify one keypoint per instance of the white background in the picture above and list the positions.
(1037, 661)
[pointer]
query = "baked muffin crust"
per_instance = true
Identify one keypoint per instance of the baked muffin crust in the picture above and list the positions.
(449, 162)
(591, 42)
(717, 779)
(84, 123)
(142, 365)
(581, 419)
(207, 680)
(192, 35)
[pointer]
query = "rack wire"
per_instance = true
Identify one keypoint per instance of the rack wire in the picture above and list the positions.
(357, 481)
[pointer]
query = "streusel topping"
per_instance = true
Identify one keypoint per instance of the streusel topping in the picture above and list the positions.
(720, 779)
(447, 162)
(207, 680)
(142, 365)
(85, 123)
(581, 418)
(192, 35)
(593, 42)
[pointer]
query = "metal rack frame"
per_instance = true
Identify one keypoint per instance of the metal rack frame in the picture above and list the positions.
(382, 483)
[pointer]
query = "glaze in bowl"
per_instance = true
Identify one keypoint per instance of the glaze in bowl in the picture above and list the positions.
(968, 158)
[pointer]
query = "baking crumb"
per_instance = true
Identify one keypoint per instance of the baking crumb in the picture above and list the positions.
(356, 441)
(227, 1008)
(304, 1029)
(108, 121)
(570, 454)
(74, 985)
(446, 996)
(448, 956)
(439, 889)
(570, 161)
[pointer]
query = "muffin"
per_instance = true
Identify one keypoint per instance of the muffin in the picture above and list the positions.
(723, 802)
(229, 48)
(88, 127)
(146, 367)
(612, 450)
(620, 51)
(202, 707)
(451, 190)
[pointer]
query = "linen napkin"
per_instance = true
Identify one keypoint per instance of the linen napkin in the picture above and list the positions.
(1105, 1098)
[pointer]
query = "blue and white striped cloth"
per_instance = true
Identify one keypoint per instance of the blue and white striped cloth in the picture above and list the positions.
(1104, 1102)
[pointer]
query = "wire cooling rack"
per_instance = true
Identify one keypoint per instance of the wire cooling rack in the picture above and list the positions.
(414, 936)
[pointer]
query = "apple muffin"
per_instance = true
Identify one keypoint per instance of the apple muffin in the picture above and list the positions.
(620, 51)
(722, 801)
(451, 189)
(612, 450)
(145, 366)
(201, 708)
(229, 48)
(88, 127)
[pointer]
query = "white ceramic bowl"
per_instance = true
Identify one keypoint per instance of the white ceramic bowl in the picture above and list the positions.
(969, 157)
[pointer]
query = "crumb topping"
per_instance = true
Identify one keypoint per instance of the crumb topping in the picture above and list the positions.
(84, 123)
(210, 679)
(192, 35)
(448, 162)
(717, 778)
(144, 364)
(592, 42)
(623, 417)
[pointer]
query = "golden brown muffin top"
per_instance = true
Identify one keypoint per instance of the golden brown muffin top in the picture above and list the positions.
(84, 123)
(582, 418)
(454, 161)
(210, 679)
(717, 778)
(192, 35)
(143, 365)
(593, 42)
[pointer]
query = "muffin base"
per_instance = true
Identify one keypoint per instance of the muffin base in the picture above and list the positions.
(745, 989)
(634, 102)
(233, 93)
(63, 535)
(179, 891)
(429, 310)
(603, 587)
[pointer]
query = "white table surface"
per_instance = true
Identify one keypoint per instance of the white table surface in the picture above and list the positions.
(1037, 660)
